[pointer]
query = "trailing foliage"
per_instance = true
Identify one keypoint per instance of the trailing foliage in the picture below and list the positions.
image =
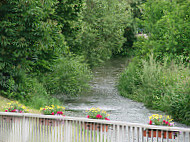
(164, 86)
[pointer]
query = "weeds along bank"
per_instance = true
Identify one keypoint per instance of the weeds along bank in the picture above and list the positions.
(159, 85)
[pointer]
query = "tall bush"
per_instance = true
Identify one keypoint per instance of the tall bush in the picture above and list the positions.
(159, 85)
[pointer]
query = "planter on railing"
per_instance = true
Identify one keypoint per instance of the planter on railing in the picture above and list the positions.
(92, 126)
(49, 122)
(160, 133)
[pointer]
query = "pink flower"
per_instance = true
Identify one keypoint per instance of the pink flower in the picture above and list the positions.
(52, 113)
(44, 109)
(13, 110)
(6, 110)
(60, 112)
(88, 116)
(107, 118)
(98, 116)
(150, 122)
(21, 111)
(166, 122)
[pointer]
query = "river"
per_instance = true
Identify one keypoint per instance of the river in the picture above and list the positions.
(105, 95)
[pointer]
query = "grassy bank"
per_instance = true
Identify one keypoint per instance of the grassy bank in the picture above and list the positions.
(159, 85)
(4, 101)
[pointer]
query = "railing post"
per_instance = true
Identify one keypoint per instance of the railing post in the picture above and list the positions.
(23, 129)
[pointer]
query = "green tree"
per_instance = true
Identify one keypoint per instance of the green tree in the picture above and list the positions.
(167, 24)
(103, 29)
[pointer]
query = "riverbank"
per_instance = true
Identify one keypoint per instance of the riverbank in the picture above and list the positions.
(159, 85)
(4, 101)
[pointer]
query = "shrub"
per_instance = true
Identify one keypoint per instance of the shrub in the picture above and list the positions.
(69, 76)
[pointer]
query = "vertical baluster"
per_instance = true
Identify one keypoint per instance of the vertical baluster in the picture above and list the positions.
(87, 131)
(20, 129)
(189, 136)
(162, 136)
(13, 128)
(101, 132)
(94, 132)
(109, 133)
(91, 132)
(152, 135)
(147, 135)
(167, 138)
(105, 132)
(119, 133)
(133, 133)
(183, 136)
(74, 127)
(172, 136)
(62, 125)
(58, 129)
(156, 135)
(80, 131)
(142, 134)
(77, 131)
(98, 133)
(177, 137)
(138, 134)
(113, 134)
(65, 130)
(84, 132)
(129, 134)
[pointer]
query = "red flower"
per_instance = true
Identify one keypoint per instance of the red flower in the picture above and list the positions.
(13, 110)
(60, 112)
(107, 118)
(150, 122)
(52, 113)
(88, 116)
(6, 110)
(98, 116)
(166, 122)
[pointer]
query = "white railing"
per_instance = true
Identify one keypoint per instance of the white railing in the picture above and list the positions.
(15, 127)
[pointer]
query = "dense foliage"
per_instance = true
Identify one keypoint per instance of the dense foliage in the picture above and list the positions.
(32, 44)
(46, 45)
(163, 86)
(167, 24)
(161, 82)
(104, 23)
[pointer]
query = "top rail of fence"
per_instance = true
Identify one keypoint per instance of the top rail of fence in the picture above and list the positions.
(146, 126)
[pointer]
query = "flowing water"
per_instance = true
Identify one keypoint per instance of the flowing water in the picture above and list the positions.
(104, 94)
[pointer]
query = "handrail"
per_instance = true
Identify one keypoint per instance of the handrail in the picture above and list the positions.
(146, 126)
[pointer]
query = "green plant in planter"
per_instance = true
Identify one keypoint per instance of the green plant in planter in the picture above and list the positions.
(53, 110)
(14, 106)
(157, 119)
(97, 113)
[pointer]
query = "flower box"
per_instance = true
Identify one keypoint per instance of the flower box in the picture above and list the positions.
(92, 126)
(49, 122)
(170, 133)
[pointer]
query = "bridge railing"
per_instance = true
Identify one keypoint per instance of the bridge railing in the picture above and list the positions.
(22, 127)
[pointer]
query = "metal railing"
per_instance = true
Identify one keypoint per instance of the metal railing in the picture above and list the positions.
(22, 127)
